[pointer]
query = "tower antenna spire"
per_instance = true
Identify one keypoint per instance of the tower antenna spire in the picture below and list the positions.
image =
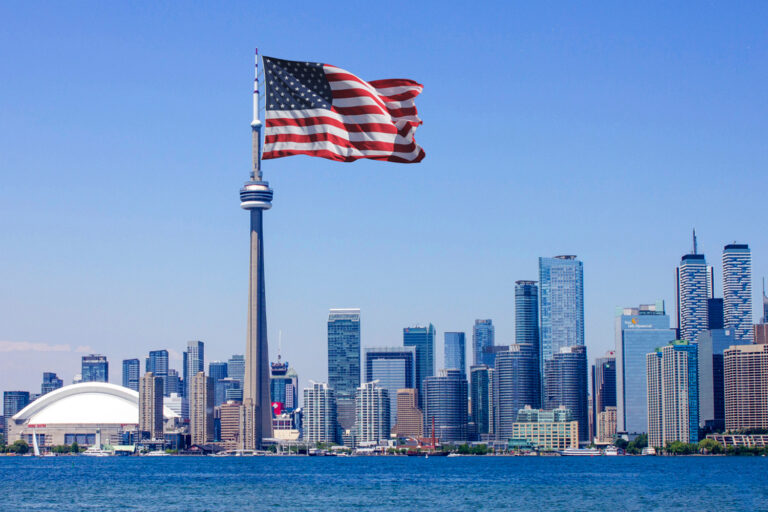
(695, 245)
(256, 123)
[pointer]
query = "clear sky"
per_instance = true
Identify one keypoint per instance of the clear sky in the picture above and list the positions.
(602, 130)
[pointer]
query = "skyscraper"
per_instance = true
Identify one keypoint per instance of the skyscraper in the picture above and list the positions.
(193, 363)
(673, 395)
(320, 425)
(157, 363)
(715, 314)
(217, 372)
(201, 409)
(483, 337)
(446, 403)
(482, 391)
(694, 287)
(455, 351)
(518, 385)
(527, 314)
(13, 402)
(561, 304)
(236, 367)
(567, 385)
(284, 386)
(393, 367)
(711, 347)
(344, 361)
(423, 340)
(746, 387)
(638, 331)
(173, 382)
(372, 420)
(50, 382)
(604, 386)
(131, 371)
(151, 406)
(95, 368)
(410, 420)
(737, 291)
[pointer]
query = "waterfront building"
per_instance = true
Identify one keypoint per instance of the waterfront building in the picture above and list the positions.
(546, 430)
(284, 386)
(80, 413)
(201, 409)
(673, 394)
(638, 331)
(746, 387)
(193, 363)
(711, 347)
(285, 428)
(157, 363)
(217, 372)
(482, 398)
(50, 382)
(393, 367)
(410, 420)
(173, 383)
(131, 373)
(605, 428)
(372, 420)
(230, 422)
(151, 406)
(446, 402)
(483, 337)
(455, 351)
(518, 385)
(344, 361)
(561, 304)
(603, 386)
(566, 385)
(737, 291)
(95, 368)
(423, 340)
(694, 287)
(319, 414)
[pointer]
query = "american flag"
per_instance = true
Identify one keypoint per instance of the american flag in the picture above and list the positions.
(320, 110)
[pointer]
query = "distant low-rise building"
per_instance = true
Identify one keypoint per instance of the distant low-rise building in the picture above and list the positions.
(546, 430)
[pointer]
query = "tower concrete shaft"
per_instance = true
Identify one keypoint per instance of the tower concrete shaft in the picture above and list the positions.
(256, 196)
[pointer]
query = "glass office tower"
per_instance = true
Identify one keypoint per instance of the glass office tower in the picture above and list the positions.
(131, 374)
(445, 401)
(482, 398)
(95, 368)
(483, 339)
(423, 340)
(455, 351)
(157, 363)
(344, 361)
(393, 367)
(193, 363)
(567, 385)
(518, 384)
(603, 385)
(561, 304)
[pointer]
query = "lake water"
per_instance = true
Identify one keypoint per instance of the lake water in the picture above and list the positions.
(384, 483)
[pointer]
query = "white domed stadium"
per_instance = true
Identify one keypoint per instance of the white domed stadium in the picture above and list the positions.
(76, 413)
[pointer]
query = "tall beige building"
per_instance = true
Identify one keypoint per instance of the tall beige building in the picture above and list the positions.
(410, 420)
(201, 410)
(230, 421)
(151, 405)
(606, 425)
(745, 369)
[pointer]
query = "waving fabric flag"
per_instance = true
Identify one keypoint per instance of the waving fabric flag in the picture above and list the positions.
(321, 110)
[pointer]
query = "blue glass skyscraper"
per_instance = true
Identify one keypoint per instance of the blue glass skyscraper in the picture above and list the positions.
(95, 368)
(157, 363)
(344, 361)
(455, 351)
(561, 304)
(694, 287)
(131, 371)
(638, 331)
(737, 291)
(482, 392)
(445, 401)
(527, 319)
(217, 371)
(483, 338)
(423, 340)
(394, 368)
(236, 367)
(566, 385)
(193, 363)
(50, 382)
(518, 384)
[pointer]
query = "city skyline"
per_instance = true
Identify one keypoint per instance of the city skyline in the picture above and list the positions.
(121, 284)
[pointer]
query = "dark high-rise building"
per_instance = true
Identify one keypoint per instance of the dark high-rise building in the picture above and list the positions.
(13, 402)
(344, 361)
(157, 363)
(481, 389)
(393, 367)
(193, 363)
(455, 351)
(711, 348)
(527, 313)
(715, 314)
(423, 339)
(603, 385)
(445, 401)
(518, 384)
(95, 368)
(217, 371)
(483, 337)
(50, 382)
(567, 385)
(173, 382)
(131, 371)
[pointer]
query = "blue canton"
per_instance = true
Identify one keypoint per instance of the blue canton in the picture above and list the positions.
(292, 85)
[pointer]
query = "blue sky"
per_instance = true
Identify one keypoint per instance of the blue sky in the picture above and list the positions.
(597, 129)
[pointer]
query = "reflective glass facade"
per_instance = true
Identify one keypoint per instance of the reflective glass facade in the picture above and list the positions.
(567, 385)
(95, 368)
(423, 340)
(518, 384)
(481, 389)
(561, 304)
(344, 361)
(455, 351)
(217, 371)
(603, 385)
(737, 291)
(50, 382)
(483, 338)
(445, 400)
(131, 370)
(711, 346)
(393, 367)
(157, 363)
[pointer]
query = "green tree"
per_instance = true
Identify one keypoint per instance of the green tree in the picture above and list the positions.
(621, 443)
(710, 446)
(21, 447)
(75, 448)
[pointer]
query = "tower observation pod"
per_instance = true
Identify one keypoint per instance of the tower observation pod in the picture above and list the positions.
(256, 196)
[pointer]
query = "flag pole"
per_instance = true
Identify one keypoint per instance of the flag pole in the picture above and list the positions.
(256, 124)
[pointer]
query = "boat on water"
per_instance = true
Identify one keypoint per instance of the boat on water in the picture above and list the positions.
(580, 452)
(157, 453)
(650, 450)
(612, 451)
(95, 451)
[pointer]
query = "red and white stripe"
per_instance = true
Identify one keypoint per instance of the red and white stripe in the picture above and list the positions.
(374, 120)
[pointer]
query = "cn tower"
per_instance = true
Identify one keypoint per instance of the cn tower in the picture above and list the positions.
(256, 196)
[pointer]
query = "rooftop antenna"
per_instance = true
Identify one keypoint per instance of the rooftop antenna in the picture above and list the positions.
(279, 344)
(695, 245)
